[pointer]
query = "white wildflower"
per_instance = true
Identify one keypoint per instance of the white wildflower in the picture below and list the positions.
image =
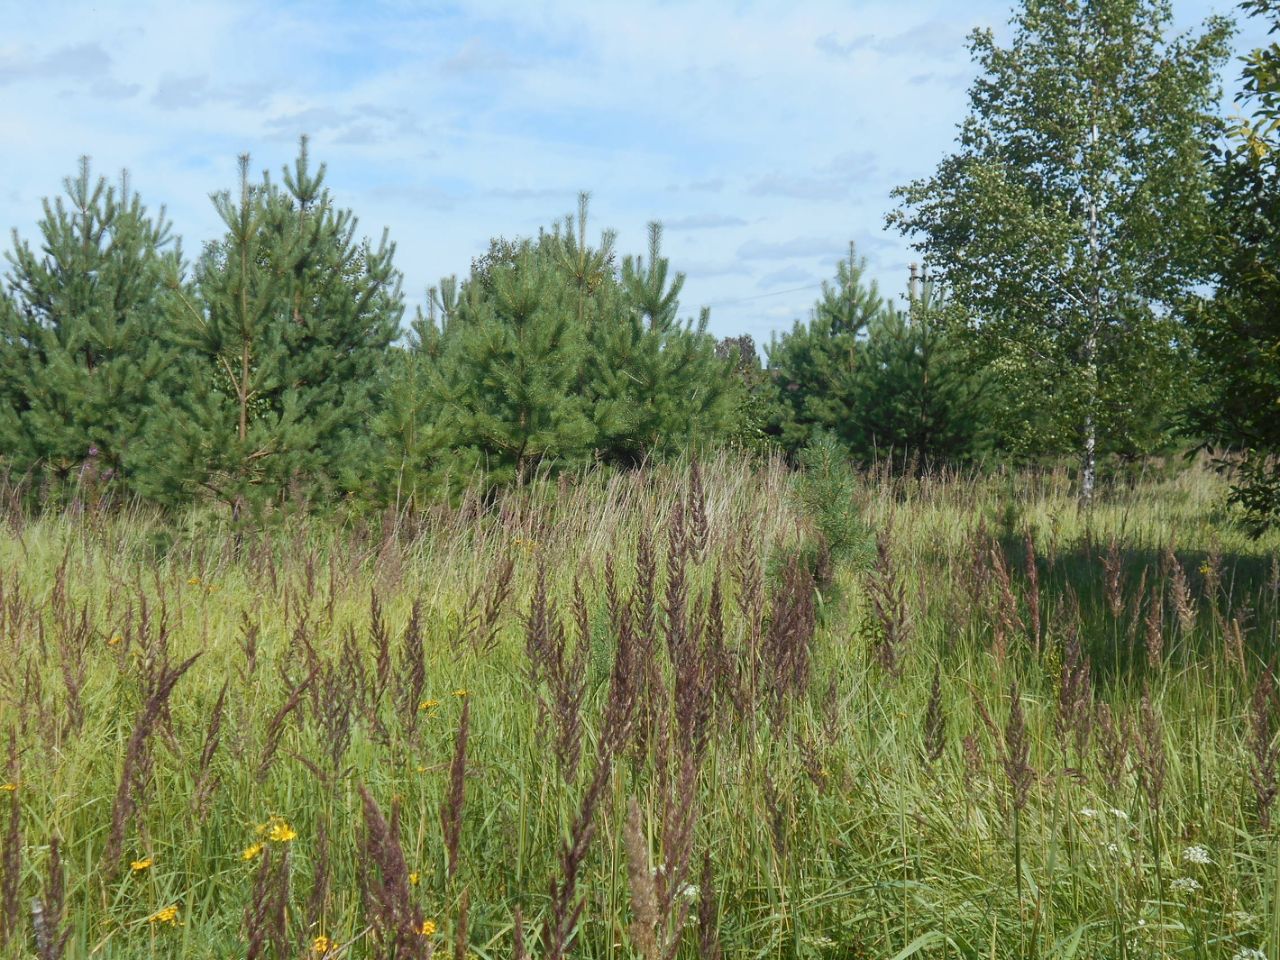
(821, 942)
(1089, 813)
(689, 891)
(1119, 814)
(1185, 885)
(1113, 848)
(1197, 854)
(1249, 953)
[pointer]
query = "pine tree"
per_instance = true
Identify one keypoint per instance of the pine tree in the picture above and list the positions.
(345, 312)
(656, 384)
(285, 326)
(510, 360)
(918, 395)
(749, 417)
(410, 443)
(587, 270)
(81, 352)
(549, 356)
(224, 435)
(814, 366)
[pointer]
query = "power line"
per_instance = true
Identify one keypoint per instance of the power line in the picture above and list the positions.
(775, 293)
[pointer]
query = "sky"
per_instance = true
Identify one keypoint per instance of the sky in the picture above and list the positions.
(764, 136)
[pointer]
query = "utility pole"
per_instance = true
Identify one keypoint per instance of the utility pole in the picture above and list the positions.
(911, 284)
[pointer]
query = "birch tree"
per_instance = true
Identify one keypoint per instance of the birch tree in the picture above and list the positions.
(1069, 219)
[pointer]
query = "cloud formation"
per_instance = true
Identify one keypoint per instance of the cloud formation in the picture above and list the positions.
(940, 38)
(79, 61)
(702, 221)
(194, 91)
(789, 249)
(787, 276)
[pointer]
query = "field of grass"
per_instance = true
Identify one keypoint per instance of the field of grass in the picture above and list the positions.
(648, 715)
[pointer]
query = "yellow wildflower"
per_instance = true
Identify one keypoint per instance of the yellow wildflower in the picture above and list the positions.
(279, 831)
(421, 769)
(193, 581)
(115, 641)
(168, 915)
(212, 588)
(428, 704)
(428, 927)
(250, 852)
(460, 692)
(414, 878)
(8, 787)
(322, 944)
(139, 865)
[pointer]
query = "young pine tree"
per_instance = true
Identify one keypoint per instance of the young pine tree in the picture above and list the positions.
(345, 311)
(753, 395)
(919, 398)
(409, 443)
(656, 384)
(510, 356)
(81, 334)
(548, 355)
(814, 366)
(284, 327)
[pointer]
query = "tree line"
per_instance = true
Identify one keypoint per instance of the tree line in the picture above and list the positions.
(1100, 286)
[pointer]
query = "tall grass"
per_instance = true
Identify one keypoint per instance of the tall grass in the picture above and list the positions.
(647, 715)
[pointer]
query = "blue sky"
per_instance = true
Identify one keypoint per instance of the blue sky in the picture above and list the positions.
(765, 136)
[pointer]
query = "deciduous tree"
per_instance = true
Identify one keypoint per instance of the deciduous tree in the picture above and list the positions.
(1070, 219)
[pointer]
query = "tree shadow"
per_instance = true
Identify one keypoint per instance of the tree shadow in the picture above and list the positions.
(1117, 596)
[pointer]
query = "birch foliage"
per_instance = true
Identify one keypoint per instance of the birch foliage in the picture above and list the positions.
(1069, 219)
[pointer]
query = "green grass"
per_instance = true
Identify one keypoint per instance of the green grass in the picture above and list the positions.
(828, 833)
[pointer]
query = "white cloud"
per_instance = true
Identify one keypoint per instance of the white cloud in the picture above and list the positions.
(193, 91)
(702, 221)
(939, 38)
(787, 276)
(477, 56)
(79, 61)
(806, 247)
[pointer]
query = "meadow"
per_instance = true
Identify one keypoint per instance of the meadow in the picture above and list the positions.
(719, 710)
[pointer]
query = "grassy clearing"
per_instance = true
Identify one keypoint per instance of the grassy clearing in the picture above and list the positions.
(643, 715)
